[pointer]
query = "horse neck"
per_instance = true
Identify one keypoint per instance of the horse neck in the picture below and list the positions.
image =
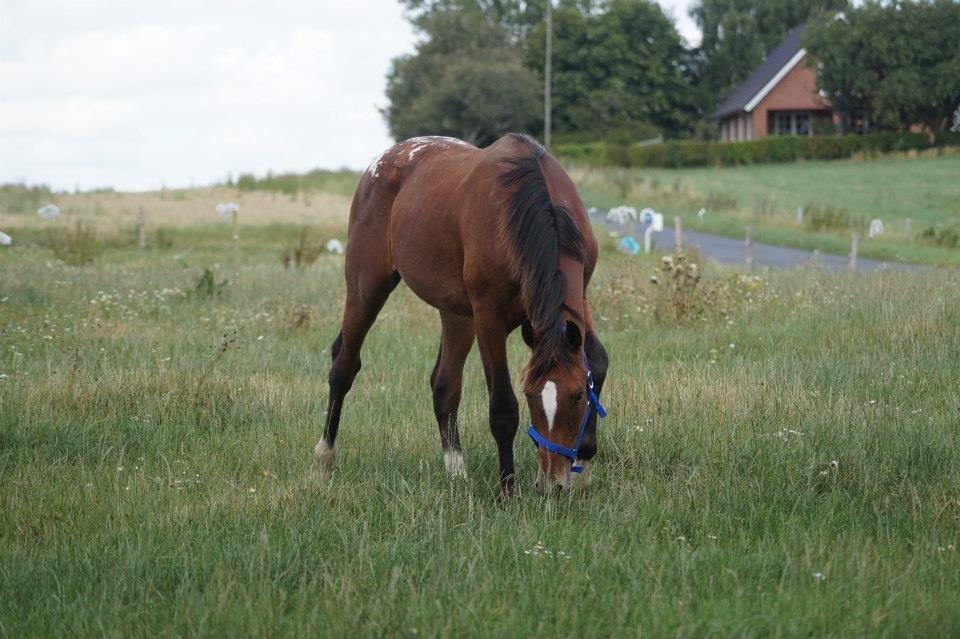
(573, 272)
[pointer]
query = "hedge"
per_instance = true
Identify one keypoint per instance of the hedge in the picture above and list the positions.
(688, 153)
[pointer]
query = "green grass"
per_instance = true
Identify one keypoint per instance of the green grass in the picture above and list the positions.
(152, 487)
(766, 197)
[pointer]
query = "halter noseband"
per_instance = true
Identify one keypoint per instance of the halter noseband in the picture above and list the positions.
(593, 406)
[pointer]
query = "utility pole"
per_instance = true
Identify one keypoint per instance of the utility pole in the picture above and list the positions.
(546, 78)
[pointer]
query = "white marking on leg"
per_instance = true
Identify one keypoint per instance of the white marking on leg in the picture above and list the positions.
(453, 461)
(549, 397)
(324, 455)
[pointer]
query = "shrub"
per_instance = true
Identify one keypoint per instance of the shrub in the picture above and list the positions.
(945, 235)
(301, 254)
(691, 153)
(207, 286)
(77, 246)
(820, 217)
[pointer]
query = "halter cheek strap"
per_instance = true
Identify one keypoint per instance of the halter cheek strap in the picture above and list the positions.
(593, 407)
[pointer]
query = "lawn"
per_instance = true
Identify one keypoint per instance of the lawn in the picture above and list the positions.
(783, 460)
(766, 197)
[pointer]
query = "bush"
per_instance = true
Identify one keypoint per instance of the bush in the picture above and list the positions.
(945, 235)
(77, 246)
(692, 153)
(817, 217)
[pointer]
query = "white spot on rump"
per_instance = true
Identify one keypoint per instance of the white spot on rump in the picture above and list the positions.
(549, 397)
(453, 461)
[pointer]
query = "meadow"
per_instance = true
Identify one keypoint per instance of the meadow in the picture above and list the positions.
(839, 198)
(781, 456)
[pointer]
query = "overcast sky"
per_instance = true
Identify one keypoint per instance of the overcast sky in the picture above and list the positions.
(136, 95)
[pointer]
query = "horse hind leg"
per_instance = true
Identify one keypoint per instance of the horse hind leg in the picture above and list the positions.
(446, 382)
(365, 299)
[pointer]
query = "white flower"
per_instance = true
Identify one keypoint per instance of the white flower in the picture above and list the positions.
(227, 209)
(49, 211)
(819, 576)
(335, 246)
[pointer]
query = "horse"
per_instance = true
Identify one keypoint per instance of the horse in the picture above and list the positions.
(494, 239)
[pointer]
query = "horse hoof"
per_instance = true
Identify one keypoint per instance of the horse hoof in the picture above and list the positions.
(453, 462)
(324, 455)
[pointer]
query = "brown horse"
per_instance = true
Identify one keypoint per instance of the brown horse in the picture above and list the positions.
(494, 239)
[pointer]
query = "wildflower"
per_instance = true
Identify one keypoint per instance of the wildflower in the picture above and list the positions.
(654, 280)
(834, 465)
(334, 246)
(711, 536)
(252, 489)
(819, 576)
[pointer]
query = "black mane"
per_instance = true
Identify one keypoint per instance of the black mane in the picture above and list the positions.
(538, 232)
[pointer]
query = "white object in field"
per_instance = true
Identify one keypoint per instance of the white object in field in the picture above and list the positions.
(654, 221)
(49, 211)
(876, 228)
(335, 246)
(701, 213)
(657, 223)
(227, 209)
(620, 215)
(5, 239)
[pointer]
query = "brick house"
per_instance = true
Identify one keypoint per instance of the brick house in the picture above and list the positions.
(780, 97)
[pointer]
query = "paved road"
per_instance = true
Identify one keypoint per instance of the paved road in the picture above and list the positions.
(727, 250)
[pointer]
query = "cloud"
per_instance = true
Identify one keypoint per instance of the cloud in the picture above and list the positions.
(137, 95)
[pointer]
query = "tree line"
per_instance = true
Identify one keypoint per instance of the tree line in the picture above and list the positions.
(622, 72)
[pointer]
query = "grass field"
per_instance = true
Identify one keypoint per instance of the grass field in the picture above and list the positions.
(766, 197)
(157, 473)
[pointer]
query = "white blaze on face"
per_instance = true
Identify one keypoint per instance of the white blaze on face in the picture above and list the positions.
(549, 397)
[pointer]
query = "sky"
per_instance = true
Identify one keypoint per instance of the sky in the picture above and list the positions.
(138, 95)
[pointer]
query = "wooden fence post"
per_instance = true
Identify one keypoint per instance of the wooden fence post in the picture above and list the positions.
(748, 244)
(141, 228)
(678, 233)
(906, 229)
(854, 246)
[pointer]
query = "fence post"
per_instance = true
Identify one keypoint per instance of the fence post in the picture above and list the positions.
(854, 246)
(799, 216)
(748, 244)
(141, 227)
(678, 233)
(906, 229)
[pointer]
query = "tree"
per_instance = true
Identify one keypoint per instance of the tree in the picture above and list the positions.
(900, 62)
(739, 34)
(619, 68)
(466, 80)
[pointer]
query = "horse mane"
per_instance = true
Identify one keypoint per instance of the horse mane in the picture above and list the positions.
(538, 232)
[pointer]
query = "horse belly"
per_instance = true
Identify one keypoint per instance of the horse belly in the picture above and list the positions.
(428, 255)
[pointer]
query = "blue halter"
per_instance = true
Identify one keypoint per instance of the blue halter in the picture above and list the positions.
(593, 406)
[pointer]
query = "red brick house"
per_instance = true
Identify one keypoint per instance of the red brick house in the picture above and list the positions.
(780, 97)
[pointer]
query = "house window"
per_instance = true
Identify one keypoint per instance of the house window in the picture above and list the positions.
(784, 122)
(791, 123)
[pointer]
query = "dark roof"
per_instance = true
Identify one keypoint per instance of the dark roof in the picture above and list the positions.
(750, 87)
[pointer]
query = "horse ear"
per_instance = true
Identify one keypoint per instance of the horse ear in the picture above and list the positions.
(527, 331)
(573, 335)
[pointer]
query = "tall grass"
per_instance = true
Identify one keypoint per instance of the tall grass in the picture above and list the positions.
(157, 483)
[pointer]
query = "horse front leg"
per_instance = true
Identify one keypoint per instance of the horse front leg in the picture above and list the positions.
(504, 410)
